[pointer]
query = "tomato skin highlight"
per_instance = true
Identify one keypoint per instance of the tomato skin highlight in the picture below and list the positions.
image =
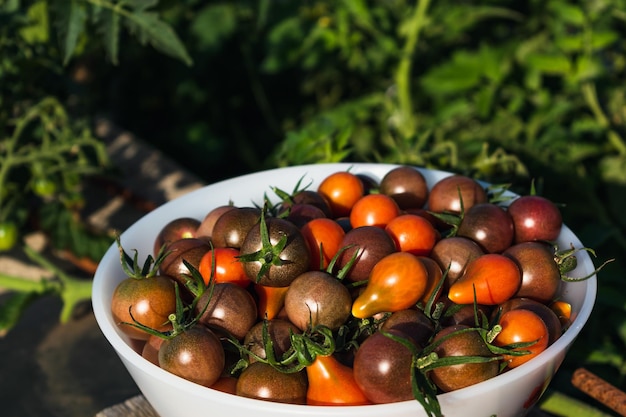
(225, 265)
(412, 233)
(396, 282)
(323, 237)
(374, 210)
(518, 326)
(342, 190)
(494, 277)
(332, 383)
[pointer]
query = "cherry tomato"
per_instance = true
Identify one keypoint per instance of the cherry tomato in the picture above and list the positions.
(493, 277)
(396, 282)
(225, 265)
(412, 233)
(535, 218)
(8, 235)
(374, 210)
(324, 238)
(332, 383)
(270, 300)
(262, 381)
(522, 326)
(342, 190)
(195, 354)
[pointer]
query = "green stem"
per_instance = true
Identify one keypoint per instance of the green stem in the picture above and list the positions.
(591, 97)
(403, 74)
(559, 404)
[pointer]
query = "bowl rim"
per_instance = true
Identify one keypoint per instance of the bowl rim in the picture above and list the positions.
(127, 353)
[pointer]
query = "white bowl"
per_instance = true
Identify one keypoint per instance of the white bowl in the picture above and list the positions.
(507, 395)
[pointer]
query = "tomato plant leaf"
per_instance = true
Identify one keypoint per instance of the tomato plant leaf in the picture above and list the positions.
(150, 29)
(214, 23)
(70, 17)
(12, 309)
(109, 29)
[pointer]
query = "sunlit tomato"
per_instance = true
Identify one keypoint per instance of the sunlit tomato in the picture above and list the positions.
(396, 282)
(412, 233)
(522, 326)
(374, 210)
(324, 238)
(332, 383)
(342, 190)
(270, 300)
(563, 311)
(8, 235)
(224, 264)
(494, 278)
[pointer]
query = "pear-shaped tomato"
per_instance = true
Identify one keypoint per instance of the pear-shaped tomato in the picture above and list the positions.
(492, 278)
(396, 282)
(332, 383)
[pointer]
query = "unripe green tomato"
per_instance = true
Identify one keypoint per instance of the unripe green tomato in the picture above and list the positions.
(44, 187)
(8, 235)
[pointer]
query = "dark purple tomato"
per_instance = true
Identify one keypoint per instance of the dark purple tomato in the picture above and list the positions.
(264, 382)
(411, 322)
(489, 225)
(279, 332)
(464, 314)
(541, 278)
(535, 218)
(317, 298)
(274, 266)
(231, 309)
(382, 368)
(371, 244)
(407, 186)
(231, 228)
(310, 197)
(190, 250)
(181, 228)
(195, 354)
(301, 213)
(205, 229)
(454, 343)
(148, 301)
(455, 252)
(447, 194)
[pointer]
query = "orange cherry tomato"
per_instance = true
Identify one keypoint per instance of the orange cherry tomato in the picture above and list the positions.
(563, 311)
(342, 190)
(495, 278)
(374, 210)
(522, 326)
(226, 266)
(412, 233)
(396, 282)
(324, 238)
(332, 383)
(270, 300)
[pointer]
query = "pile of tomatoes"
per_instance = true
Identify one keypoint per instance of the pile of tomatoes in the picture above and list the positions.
(357, 292)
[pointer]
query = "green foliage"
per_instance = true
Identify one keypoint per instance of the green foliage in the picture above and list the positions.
(506, 91)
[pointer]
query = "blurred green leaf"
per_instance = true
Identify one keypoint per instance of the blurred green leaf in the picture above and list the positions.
(213, 23)
(150, 29)
(70, 19)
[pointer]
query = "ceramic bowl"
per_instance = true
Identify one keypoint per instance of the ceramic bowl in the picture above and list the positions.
(507, 395)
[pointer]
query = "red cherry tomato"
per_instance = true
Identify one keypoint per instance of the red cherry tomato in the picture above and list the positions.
(374, 210)
(226, 266)
(493, 277)
(342, 190)
(522, 326)
(412, 233)
(396, 282)
(324, 238)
